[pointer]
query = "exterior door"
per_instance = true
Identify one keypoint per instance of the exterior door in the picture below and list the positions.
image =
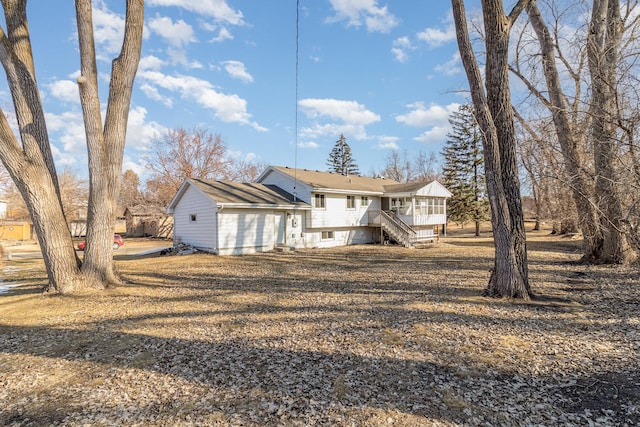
(280, 228)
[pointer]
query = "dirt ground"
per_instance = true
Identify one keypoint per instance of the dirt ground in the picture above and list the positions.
(360, 335)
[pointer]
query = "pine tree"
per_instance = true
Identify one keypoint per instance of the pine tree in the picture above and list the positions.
(463, 170)
(340, 159)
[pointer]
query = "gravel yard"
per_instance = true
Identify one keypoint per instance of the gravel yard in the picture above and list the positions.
(361, 335)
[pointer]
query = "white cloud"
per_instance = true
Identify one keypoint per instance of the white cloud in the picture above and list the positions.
(451, 67)
(228, 108)
(237, 70)
(152, 93)
(421, 116)
(435, 37)
(108, 30)
(347, 111)
(216, 9)
(150, 62)
(64, 90)
(400, 47)
(177, 34)
(436, 117)
(347, 117)
(67, 129)
(436, 134)
(309, 144)
(367, 12)
(223, 35)
(140, 133)
(68, 137)
(388, 142)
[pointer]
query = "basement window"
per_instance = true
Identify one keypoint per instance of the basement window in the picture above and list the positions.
(327, 235)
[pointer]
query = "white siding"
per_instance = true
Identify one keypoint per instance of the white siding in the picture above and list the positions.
(357, 236)
(244, 231)
(430, 219)
(274, 177)
(335, 214)
(200, 233)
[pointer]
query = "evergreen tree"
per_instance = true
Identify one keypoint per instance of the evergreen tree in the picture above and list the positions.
(463, 170)
(340, 159)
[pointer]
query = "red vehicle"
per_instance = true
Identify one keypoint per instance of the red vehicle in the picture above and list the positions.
(117, 242)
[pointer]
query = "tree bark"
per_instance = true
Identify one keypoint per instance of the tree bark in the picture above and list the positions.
(31, 165)
(495, 117)
(603, 44)
(105, 146)
(569, 138)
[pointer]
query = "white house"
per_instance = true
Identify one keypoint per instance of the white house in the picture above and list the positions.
(302, 209)
(230, 218)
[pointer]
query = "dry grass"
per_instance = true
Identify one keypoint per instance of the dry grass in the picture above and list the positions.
(362, 335)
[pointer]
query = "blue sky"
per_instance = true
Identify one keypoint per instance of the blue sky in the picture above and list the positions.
(385, 74)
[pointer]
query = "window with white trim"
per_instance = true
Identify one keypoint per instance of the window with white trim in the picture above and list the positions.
(193, 217)
(327, 235)
(351, 202)
(364, 201)
(319, 202)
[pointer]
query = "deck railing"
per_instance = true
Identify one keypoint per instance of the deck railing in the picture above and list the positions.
(394, 226)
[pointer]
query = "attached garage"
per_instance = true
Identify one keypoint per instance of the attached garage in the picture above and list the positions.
(230, 218)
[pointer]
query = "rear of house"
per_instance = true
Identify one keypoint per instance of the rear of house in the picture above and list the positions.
(229, 218)
(298, 208)
(358, 210)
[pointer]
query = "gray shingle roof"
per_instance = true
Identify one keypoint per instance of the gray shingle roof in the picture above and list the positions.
(245, 193)
(336, 181)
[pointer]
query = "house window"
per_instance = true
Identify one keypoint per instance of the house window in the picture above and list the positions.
(327, 235)
(192, 217)
(364, 201)
(398, 205)
(421, 208)
(319, 201)
(351, 202)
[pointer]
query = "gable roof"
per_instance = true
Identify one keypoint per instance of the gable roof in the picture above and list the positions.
(319, 180)
(240, 193)
(421, 188)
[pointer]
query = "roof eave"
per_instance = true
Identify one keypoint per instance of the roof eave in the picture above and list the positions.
(262, 206)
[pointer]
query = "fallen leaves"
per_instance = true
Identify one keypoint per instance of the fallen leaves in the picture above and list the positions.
(363, 335)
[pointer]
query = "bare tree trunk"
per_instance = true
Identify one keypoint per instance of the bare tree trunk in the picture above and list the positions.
(105, 146)
(603, 44)
(31, 165)
(495, 117)
(569, 139)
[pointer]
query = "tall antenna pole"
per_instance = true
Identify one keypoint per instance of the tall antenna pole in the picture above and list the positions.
(295, 161)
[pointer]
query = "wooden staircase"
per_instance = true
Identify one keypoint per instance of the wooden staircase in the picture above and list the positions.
(397, 229)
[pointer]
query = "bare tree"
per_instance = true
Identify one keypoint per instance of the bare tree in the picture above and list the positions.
(74, 192)
(246, 170)
(182, 154)
(195, 153)
(397, 167)
(30, 160)
(425, 167)
(594, 180)
(494, 113)
(129, 190)
(603, 44)
(545, 170)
